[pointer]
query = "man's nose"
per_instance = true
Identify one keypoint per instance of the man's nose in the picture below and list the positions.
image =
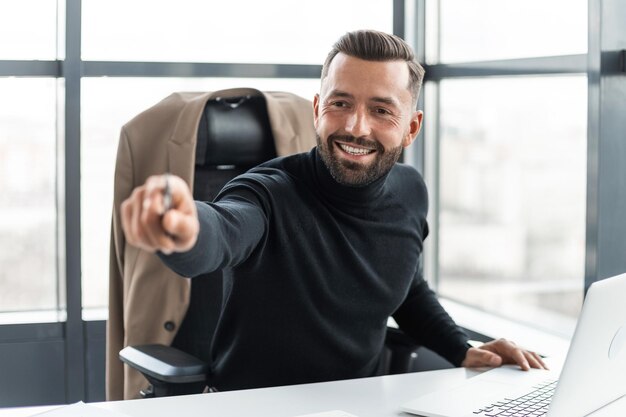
(358, 124)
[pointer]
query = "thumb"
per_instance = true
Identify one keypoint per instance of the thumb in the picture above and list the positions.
(183, 227)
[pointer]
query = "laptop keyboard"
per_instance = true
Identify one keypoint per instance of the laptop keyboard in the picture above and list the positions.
(533, 404)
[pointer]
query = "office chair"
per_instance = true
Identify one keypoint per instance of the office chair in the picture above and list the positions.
(234, 135)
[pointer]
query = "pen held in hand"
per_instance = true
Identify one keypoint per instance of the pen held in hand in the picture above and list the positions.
(167, 200)
(167, 195)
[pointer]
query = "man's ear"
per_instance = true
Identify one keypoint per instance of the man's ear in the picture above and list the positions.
(414, 128)
(316, 109)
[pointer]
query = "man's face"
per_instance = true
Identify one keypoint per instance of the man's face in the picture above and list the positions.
(364, 117)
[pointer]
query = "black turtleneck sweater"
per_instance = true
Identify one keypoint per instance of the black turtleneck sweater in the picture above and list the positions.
(312, 271)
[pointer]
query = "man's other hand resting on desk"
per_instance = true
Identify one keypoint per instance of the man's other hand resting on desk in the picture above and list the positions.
(502, 352)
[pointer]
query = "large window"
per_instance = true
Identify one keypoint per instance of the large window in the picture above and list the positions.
(28, 165)
(508, 157)
(242, 31)
(512, 194)
(28, 30)
(482, 30)
(118, 75)
(190, 31)
(28, 205)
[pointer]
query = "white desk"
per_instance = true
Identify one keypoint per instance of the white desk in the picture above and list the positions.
(367, 397)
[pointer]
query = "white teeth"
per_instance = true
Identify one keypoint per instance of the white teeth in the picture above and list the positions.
(355, 151)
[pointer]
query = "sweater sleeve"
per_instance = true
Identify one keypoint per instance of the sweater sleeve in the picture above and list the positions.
(422, 317)
(230, 230)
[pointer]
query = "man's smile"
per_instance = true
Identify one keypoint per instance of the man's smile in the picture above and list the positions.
(354, 151)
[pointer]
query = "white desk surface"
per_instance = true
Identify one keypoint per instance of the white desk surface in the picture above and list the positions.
(367, 397)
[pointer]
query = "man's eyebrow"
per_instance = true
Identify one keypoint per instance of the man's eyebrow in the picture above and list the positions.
(385, 100)
(339, 93)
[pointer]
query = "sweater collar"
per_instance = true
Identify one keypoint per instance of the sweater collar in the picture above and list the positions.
(340, 192)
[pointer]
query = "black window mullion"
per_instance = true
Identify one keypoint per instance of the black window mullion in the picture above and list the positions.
(74, 332)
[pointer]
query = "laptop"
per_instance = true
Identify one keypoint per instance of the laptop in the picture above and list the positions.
(593, 374)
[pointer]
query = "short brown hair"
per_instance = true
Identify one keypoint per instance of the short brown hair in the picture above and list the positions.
(372, 45)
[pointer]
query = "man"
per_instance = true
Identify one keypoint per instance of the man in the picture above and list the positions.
(319, 249)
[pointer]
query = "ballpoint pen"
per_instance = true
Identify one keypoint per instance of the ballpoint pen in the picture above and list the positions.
(167, 195)
(167, 199)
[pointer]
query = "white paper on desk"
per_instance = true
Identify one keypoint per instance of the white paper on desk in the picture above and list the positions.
(334, 413)
(80, 409)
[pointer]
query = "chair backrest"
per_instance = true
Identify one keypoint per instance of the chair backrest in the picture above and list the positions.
(233, 132)
(234, 135)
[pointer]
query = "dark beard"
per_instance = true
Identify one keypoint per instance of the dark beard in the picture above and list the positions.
(352, 173)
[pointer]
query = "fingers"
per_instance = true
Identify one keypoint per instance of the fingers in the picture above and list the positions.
(182, 199)
(150, 221)
(476, 358)
(519, 358)
(525, 358)
(143, 216)
(535, 360)
(153, 207)
(182, 220)
(154, 192)
(131, 210)
(512, 354)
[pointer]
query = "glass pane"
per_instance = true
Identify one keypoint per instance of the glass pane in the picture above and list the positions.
(276, 31)
(481, 30)
(31, 27)
(28, 255)
(512, 199)
(103, 114)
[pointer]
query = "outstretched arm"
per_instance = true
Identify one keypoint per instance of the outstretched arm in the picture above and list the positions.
(192, 237)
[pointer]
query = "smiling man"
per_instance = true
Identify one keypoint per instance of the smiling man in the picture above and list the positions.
(319, 249)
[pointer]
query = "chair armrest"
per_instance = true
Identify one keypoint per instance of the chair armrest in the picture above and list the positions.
(398, 338)
(402, 351)
(165, 363)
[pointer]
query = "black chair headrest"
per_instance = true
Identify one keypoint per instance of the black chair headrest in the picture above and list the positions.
(234, 131)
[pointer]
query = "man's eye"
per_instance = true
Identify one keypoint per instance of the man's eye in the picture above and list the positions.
(382, 111)
(339, 104)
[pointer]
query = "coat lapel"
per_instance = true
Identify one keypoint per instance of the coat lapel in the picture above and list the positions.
(181, 147)
(285, 138)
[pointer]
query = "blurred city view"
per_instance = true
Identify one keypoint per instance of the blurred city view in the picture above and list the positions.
(513, 195)
(28, 205)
